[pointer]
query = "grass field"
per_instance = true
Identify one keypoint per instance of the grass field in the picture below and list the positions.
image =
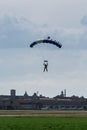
(43, 120)
(42, 123)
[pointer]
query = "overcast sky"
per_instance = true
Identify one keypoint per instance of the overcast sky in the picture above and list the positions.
(21, 68)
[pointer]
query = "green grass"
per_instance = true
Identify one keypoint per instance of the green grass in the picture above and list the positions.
(42, 123)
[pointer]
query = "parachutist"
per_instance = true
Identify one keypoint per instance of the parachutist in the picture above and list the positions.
(45, 66)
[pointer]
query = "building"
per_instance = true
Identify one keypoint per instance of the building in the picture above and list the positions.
(35, 102)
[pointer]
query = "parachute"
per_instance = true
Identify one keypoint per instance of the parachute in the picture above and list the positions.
(46, 41)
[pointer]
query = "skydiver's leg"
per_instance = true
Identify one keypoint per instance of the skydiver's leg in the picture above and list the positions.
(47, 69)
(44, 69)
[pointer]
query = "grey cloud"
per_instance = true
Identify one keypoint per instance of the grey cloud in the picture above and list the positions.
(20, 32)
(71, 38)
(84, 20)
(15, 33)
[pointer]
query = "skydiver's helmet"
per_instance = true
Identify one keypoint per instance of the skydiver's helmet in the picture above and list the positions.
(45, 61)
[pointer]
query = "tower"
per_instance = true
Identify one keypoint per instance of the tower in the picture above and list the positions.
(64, 92)
(13, 92)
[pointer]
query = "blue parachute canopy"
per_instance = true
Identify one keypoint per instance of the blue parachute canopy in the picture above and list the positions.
(47, 41)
